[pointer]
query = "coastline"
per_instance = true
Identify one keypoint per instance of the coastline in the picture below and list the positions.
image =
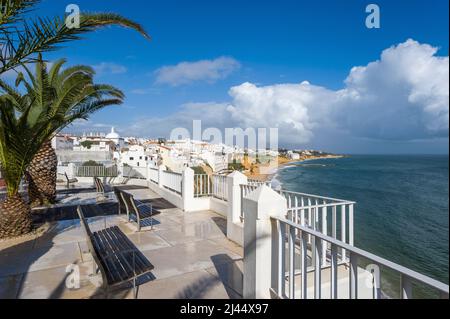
(283, 162)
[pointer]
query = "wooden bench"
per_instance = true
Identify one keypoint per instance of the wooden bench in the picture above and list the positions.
(121, 208)
(69, 180)
(138, 210)
(101, 189)
(118, 260)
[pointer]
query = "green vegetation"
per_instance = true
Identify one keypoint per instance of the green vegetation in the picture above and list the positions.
(22, 37)
(87, 144)
(236, 166)
(198, 170)
(92, 163)
(42, 104)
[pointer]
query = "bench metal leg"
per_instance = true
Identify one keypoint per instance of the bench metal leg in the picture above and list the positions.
(135, 291)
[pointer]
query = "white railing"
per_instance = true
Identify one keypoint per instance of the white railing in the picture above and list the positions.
(220, 187)
(153, 175)
(297, 237)
(202, 185)
(172, 181)
(211, 186)
(245, 190)
(137, 172)
(330, 216)
(255, 182)
(96, 171)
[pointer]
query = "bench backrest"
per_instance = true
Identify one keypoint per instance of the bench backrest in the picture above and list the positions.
(89, 239)
(100, 188)
(130, 205)
(122, 207)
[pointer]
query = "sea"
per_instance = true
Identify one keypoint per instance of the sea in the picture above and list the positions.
(402, 211)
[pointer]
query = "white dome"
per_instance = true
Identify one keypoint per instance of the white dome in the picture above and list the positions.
(113, 135)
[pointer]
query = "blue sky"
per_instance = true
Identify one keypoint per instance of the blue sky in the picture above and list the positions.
(267, 44)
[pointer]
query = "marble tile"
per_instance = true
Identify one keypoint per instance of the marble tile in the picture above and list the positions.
(9, 286)
(188, 257)
(51, 283)
(58, 255)
(148, 241)
(230, 274)
(194, 285)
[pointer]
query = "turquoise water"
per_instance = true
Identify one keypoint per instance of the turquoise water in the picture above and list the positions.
(402, 204)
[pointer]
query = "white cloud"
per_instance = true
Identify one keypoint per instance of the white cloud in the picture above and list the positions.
(403, 96)
(205, 70)
(109, 68)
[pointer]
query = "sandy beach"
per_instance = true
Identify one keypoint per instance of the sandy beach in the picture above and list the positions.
(272, 168)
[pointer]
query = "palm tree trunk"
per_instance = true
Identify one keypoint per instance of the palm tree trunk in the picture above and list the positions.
(41, 176)
(15, 217)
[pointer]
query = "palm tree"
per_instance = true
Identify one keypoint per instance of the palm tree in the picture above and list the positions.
(21, 40)
(41, 176)
(52, 100)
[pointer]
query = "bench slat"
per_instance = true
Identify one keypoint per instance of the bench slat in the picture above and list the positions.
(115, 269)
(112, 274)
(141, 263)
(123, 269)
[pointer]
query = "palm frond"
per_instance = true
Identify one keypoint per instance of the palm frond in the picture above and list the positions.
(12, 11)
(45, 34)
(53, 100)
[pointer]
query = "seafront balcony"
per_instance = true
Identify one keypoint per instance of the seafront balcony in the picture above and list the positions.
(215, 237)
(190, 252)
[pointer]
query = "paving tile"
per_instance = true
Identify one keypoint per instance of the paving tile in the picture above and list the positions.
(193, 217)
(14, 262)
(148, 241)
(188, 257)
(194, 285)
(9, 286)
(50, 257)
(61, 232)
(228, 244)
(230, 274)
(159, 222)
(51, 284)
(191, 232)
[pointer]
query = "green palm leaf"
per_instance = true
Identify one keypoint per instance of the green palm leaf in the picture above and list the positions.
(51, 101)
(21, 40)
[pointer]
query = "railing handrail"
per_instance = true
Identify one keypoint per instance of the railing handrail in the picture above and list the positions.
(365, 254)
(315, 196)
(167, 172)
(322, 205)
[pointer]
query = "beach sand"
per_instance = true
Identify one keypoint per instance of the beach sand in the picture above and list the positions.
(273, 167)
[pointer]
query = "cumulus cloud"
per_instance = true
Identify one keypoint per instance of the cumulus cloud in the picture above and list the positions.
(402, 96)
(109, 68)
(205, 70)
